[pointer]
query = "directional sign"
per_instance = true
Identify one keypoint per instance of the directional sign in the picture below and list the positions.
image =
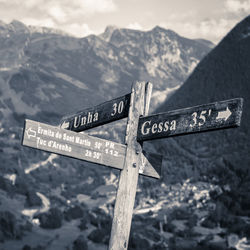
(129, 158)
(92, 117)
(218, 115)
(82, 146)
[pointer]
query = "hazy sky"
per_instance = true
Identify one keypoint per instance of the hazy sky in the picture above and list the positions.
(210, 19)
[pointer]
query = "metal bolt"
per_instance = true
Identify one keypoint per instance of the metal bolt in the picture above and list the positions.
(134, 165)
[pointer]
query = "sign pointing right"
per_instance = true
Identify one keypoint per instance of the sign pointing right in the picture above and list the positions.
(213, 116)
(224, 114)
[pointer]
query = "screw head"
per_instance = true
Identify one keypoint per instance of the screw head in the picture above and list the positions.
(134, 165)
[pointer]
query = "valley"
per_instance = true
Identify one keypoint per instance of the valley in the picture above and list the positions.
(53, 202)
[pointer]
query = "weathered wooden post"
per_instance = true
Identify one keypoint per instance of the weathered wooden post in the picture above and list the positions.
(139, 105)
(128, 158)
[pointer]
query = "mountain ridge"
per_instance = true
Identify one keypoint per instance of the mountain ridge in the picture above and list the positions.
(202, 198)
(222, 74)
(18, 26)
(91, 62)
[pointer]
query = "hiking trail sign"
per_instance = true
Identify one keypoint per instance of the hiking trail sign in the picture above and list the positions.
(129, 157)
(101, 114)
(75, 145)
(213, 116)
(84, 147)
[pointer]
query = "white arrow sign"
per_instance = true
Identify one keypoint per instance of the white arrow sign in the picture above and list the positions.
(65, 125)
(31, 133)
(84, 147)
(224, 114)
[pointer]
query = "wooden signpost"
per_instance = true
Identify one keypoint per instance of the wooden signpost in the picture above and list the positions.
(213, 116)
(140, 98)
(101, 114)
(129, 158)
(76, 145)
(85, 147)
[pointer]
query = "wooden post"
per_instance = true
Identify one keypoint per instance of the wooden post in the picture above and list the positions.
(126, 192)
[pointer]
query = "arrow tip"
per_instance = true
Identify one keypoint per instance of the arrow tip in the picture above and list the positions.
(228, 113)
(224, 115)
(65, 125)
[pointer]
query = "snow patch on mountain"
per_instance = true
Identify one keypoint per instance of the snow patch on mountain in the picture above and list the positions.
(110, 76)
(71, 80)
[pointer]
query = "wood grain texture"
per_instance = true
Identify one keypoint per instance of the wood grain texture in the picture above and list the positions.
(84, 147)
(68, 143)
(129, 175)
(95, 116)
(150, 165)
(213, 116)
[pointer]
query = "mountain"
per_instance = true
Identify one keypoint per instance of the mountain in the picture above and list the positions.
(165, 58)
(218, 160)
(59, 73)
(53, 202)
(222, 157)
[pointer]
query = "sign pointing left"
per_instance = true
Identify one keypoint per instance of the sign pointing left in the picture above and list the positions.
(95, 116)
(31, 133)
(84, 147)
(65, 125)
(80, 146)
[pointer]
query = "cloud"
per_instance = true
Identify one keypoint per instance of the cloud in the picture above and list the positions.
(46, 22)
(211, 29)
(237, 6)
(66, 15)
(213, 25)
(30, 3)
(214, 28)
(58, 14)
(59, 11)
(75, 29)
(97, 6)
(135, 26)
(87, 6)
(78, 30)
